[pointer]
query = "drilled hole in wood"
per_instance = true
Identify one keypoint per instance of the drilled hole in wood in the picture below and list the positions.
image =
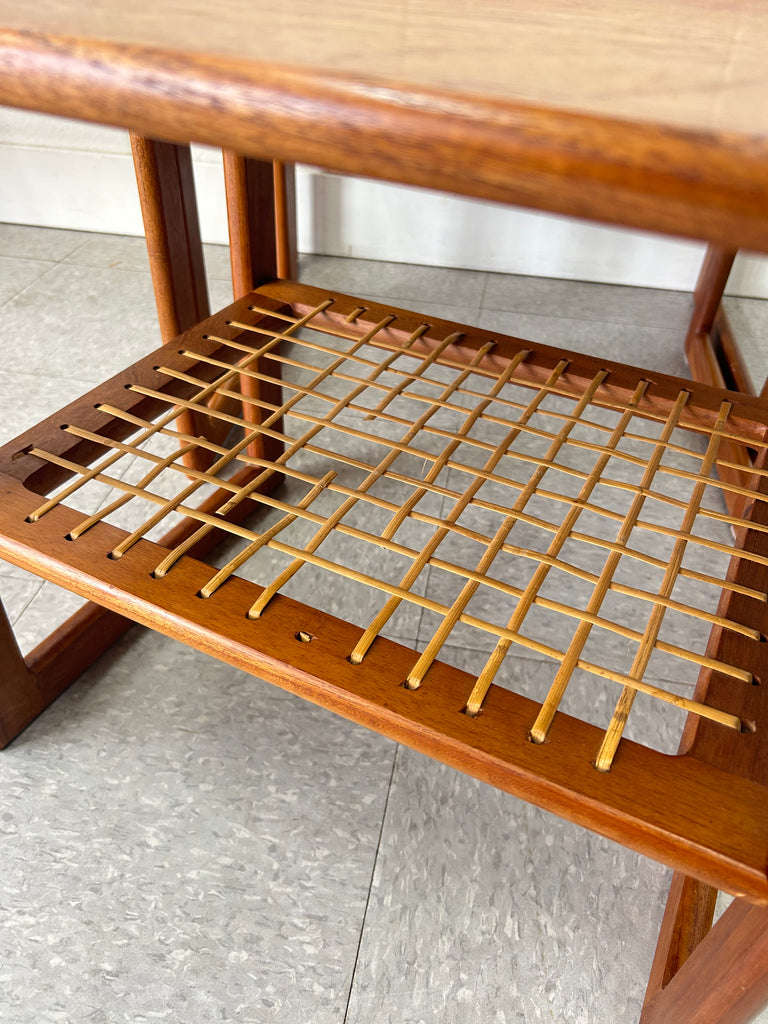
(304, 637)
(747, 725)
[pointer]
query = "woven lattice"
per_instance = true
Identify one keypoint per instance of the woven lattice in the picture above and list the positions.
(496, 512)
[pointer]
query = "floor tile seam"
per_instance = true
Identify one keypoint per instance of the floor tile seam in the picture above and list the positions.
(51, 266)
(27, 604)
(113, 268)
(67, 257)
(86, 382)
(374, 866)
(484, 289)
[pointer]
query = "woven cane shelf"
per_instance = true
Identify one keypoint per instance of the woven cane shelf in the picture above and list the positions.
(506, 504)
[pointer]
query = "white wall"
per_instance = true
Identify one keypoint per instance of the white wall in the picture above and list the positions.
(71, 175)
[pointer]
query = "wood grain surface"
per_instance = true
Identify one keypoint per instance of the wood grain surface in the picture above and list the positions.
(651, 116)
(685, 63)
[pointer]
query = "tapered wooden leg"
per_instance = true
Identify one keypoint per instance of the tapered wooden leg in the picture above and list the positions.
(710, 286)
(725, 980)
(687, 919)
(251, 214)
(20, 698)
(169, 209)
(714, 357)
(285, 221)
(260, 212)
(709, 318)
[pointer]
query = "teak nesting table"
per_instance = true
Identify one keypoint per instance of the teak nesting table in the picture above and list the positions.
(297, 416)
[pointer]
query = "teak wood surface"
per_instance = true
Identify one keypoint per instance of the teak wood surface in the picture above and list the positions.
(678, 809)
(650, 116)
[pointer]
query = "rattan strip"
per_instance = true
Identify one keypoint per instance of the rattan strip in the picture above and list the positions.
(576, 646)
(253, 485)
(660, 496)
(724, 517)
(624, 705)
(319, 422)
(205, 393)
(365, 485)
(294, 512)
(189, 442)
(445, 492)
(486, 677)
(384, 541)
(443, 529)
(713, 714)
(516, 406)
(522, 381)
(473, 578)
(722, 485)
(442, 633)
(292, 445)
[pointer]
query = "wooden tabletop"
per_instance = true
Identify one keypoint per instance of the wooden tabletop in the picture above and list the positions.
(653, 114)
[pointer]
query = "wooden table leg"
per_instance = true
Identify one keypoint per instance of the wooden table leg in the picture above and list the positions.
(725, 980)
(20, 698)
(687, 919)
(261, 209)
(262, 242)
(714, 357)
(169, 209)
(265, 242)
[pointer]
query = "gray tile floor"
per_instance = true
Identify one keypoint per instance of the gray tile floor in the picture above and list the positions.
(183, 843)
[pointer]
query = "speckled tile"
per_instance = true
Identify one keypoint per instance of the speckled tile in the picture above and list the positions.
(749, 320)
(486, 909)
(652, 347)
(217, 262)
(469, 315)
(16, 592)
(111, 252)
(48, 608)
(394, 280)
(124, 252)
(32, 243)
(16, 275)
(585, 300)
(26, 399)
(98, 322)
(184, 843)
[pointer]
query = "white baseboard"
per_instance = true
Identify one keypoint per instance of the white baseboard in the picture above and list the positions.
(69, 175)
